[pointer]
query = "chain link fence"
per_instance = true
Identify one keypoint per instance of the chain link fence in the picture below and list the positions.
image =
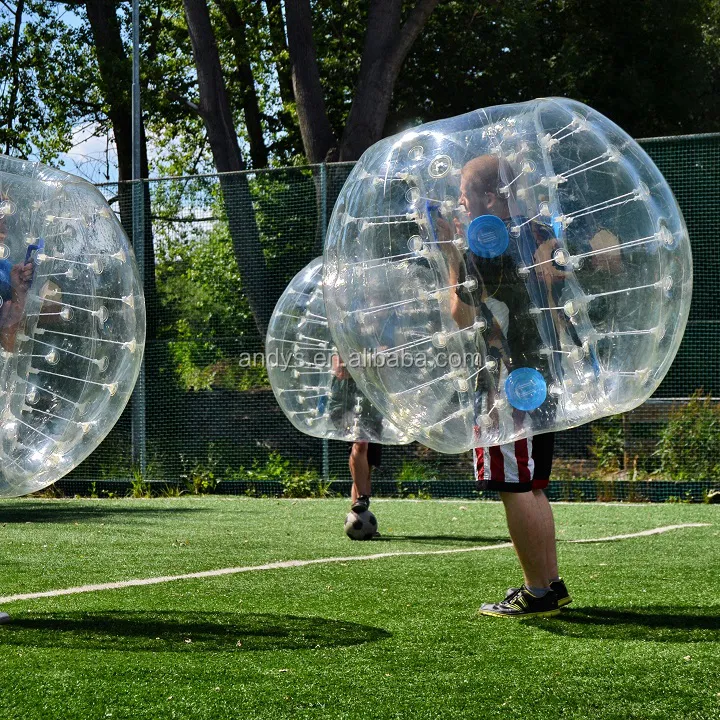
(206, 417)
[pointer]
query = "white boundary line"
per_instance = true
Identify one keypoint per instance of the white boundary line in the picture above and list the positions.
(316, 561)
(642, 533)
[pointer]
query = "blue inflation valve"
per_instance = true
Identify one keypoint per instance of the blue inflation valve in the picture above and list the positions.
(5, 285)
(487, 236)
(432, 209)
(33, 250)
(526, 389)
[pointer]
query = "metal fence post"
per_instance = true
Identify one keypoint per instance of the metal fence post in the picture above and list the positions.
(323, 231)
(138, 439)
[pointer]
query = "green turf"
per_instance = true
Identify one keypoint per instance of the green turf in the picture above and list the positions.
(388, 638)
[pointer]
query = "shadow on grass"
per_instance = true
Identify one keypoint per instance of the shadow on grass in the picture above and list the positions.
(656, 623)
(42, 512)
(165, 631)
(444, 539)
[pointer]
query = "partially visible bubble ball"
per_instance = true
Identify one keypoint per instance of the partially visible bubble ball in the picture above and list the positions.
(313, 384)
(72, 338)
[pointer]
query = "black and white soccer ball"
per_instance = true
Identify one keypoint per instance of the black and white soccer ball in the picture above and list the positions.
(360, 526)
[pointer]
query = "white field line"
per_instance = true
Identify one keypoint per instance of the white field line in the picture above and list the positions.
(642, 533)
(303, 563)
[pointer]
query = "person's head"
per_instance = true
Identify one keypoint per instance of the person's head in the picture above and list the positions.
(479, 187)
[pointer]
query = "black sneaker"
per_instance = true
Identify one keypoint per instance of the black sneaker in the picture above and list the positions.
(563, 596)
(558, 587)
(522, 603)
(362, 504)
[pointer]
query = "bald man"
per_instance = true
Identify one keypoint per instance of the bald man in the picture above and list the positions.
(519, 471)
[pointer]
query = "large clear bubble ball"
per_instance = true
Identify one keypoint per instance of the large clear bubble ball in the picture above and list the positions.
(311, 380)
(72, 323)
(531, 261)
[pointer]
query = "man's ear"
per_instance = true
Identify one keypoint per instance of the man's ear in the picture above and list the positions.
(491, 200)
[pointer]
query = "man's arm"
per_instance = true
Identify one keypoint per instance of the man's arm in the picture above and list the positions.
(462, 313)
(12, 310)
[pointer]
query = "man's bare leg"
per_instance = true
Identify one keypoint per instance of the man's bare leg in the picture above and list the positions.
(545, 511)
(360, 471)
(528, 528)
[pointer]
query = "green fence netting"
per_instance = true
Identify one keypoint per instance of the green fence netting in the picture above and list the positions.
(207, 417)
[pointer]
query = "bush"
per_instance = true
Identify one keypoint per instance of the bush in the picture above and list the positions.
(608, 443)
(413, 473)
(200, 478)
(688, 446)
(296, 482)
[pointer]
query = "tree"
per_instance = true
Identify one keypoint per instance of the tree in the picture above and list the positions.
(388, 39)
(12, 101)
(645, 65)
(116, 84)
(214, 108)
(40, 100)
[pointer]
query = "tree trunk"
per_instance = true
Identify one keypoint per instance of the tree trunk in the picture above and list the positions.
(387, 44)
(287, 117)
(317, 135)
(280, 51)
(214, 109)
(116, 84)
(15, 74)
(251, 108)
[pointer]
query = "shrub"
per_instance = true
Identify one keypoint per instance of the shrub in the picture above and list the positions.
(688, 446)
(608, 443)
(200, 478)
(296, 482)
(414, 472)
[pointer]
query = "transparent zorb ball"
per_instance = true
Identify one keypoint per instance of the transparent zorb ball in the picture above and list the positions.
(310, 379)
(72, 323)
(533, 264)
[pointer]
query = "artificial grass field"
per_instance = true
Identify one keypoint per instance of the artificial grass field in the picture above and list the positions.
(395, 637)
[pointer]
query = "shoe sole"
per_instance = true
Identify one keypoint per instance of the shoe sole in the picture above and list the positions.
(543, 614)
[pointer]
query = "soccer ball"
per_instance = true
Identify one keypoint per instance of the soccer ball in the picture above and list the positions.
(360, 526)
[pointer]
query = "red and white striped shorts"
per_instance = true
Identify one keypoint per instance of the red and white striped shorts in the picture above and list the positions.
(519, 466)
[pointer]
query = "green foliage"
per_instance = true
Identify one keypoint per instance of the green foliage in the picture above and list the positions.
(205, 315)
(296, 482)
(139, 487)
(686, 498)
(711, 497)
(286, 215)
(42, 97)
(415, 473)
(171, 491)
(200, 478)
(50, 492)
(651, 67)
(688, 446)
(608, 443)
(322, 488)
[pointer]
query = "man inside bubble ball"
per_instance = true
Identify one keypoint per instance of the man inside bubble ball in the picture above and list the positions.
(520, 470)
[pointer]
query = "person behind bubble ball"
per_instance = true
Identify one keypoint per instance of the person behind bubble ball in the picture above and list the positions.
(364, 455)
(14, 285)
(519, 470)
